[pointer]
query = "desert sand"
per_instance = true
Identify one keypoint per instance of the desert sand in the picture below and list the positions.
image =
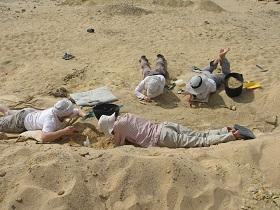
(67, 176)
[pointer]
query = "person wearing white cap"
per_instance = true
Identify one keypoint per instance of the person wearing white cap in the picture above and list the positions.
(50, 121)
(152, 85)
(201, 86)
(153, 80)
(144, 133)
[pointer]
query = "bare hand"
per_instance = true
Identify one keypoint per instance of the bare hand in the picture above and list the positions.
(147, 99)
(190, 100)
(70, 130)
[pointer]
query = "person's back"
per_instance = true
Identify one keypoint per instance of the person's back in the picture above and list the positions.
(44, 120)
(134, 129)
(201, 86)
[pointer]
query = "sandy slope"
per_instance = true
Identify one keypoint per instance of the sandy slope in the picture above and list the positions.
(35, 34)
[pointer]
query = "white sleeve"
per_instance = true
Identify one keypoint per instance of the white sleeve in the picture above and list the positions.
(212, 86)
(140, 87)
(49, 125)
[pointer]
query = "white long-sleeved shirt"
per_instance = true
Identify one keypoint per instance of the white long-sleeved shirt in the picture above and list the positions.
(210, 88)
(141, 86)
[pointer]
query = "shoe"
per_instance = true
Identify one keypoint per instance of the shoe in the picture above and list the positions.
(144, 61)
(143, 57)
(246, 133)
(160, 56)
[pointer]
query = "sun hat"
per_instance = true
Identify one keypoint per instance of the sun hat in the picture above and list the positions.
(106, 124)
(196, 85)
(63, 108)
(153, 86)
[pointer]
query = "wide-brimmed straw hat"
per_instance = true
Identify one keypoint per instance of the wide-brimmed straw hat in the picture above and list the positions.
(196, 85)
(106, 124)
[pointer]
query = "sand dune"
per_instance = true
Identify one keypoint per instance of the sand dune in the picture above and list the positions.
(237, 175)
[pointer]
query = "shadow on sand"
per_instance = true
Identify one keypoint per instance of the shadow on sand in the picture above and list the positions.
(168, 100)
(247, 96)
(216, 101)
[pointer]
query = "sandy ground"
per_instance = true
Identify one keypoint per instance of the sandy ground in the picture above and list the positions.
(237, 175)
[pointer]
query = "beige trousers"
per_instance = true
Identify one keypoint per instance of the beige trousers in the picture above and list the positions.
(174, 135)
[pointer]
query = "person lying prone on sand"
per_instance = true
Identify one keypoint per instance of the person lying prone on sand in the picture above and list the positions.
(144, 133)
(153, 80)
(199, 87)
(50, 121)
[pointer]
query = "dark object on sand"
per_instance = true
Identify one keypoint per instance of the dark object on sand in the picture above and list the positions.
(196, 69)
(261, 68)
(231, 90)
(59, 92)
(68, 56)
(105, 109)
(170, 86)
(90, 30)
(246, 133)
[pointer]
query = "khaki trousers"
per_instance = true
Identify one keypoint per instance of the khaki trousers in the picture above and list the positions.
(174, 135)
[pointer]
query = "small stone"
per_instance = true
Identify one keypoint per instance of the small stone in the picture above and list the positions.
(19, 200)
(206, 22)
(90, 30)
(23, 10)
(83, 154)
(13, 207)
(61, 192)
(2, 174)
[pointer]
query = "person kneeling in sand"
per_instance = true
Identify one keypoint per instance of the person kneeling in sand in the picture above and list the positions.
(50, 121)
(201, 86)
(144, 133)
(153, 80)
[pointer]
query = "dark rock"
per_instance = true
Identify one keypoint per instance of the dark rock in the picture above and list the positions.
(90, 30)
(61, 192)
(2, 174)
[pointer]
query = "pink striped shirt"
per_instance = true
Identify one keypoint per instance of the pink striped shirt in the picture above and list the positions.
(136, 130)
